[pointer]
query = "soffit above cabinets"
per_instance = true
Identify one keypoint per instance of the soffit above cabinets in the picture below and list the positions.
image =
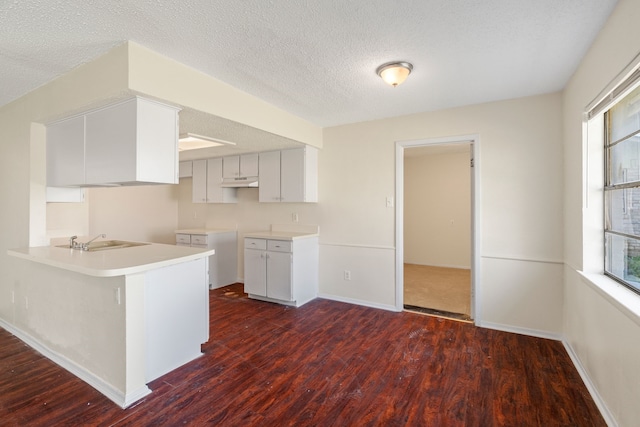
(247, 139)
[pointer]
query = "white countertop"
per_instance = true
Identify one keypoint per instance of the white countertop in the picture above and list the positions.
(279, 235)
(112, 262)
(204, 231)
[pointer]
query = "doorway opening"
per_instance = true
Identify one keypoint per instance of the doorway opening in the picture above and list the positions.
(436, 267)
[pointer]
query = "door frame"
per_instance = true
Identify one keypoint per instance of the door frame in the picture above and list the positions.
(474, 140)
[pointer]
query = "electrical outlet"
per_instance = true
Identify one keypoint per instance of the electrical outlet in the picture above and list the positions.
(294, 217)
(347, 275)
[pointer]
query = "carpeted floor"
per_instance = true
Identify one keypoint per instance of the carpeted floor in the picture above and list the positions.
(438, 288)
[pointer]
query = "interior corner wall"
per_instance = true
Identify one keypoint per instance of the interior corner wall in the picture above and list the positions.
(601, 335)
(520, 161)
(437, 210)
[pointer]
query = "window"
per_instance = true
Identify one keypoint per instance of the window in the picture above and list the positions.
(622, 191)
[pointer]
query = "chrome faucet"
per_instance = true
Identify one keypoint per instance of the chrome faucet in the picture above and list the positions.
(85, 246)
(72, 242)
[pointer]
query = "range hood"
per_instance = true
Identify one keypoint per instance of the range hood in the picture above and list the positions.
(246, 181)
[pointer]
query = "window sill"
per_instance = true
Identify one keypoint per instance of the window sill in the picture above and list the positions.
(622, 298)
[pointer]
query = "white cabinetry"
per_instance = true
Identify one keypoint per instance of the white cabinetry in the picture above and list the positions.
(282, 271)
(207, 180)
(65, 194)
(65, 152)
(185, 169)
(289, 175)
(223, 266)
(240, 166)
(131, 142)
(176, 314)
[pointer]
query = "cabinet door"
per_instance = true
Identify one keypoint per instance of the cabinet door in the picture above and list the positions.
(199, 184)
(214, 179)
(292, 175)
(215, 192)
(255, 272)
(279, 275)
(110, 144)
(249, 165)
(269, 165)
(231, 167)
(65, 153)
(156, 142)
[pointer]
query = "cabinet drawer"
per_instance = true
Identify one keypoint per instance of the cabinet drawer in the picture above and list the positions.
(255, 243)
(279, 246)
(183, 239)
(199, 239)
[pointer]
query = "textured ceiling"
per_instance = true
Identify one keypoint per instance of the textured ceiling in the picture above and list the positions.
(317, 59)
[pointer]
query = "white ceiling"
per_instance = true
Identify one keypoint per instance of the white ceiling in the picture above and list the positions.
(317, 59)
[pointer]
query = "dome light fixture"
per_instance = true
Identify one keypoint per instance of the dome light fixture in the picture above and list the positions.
(394, 73)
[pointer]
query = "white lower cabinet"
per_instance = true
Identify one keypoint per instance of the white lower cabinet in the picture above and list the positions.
(223, 266)
(282, 271)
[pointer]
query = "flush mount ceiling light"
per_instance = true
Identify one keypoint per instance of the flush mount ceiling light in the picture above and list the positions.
(191, 141)
(394, 73)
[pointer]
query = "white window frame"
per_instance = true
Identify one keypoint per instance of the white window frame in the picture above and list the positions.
(592, 265)
(629, 85)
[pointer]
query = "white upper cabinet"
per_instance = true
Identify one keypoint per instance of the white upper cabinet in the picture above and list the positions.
(65, 152)
(240, 166)
(269, 188)
(199, 184)
(131, 142)
(231, 167)
(289, 175)
(249, 165)
(206, 183)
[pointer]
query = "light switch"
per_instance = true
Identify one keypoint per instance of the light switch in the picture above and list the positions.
(389, 201)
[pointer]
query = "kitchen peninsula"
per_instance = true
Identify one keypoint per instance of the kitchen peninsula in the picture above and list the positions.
(117, 318)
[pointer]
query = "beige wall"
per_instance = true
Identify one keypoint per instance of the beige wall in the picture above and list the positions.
(520, 168)
(601, 319)
(146, 214)
(437, 209)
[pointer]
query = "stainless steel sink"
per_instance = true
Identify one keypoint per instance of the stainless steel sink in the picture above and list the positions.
(108, 244)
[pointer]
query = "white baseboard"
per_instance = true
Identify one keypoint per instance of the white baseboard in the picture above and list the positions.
(456, 267)
(358, 302)
(118, 397)
(519, 330)
(593, 391)
(602, 407)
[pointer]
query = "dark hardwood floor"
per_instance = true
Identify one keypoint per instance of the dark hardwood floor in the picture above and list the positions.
(324, 364)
